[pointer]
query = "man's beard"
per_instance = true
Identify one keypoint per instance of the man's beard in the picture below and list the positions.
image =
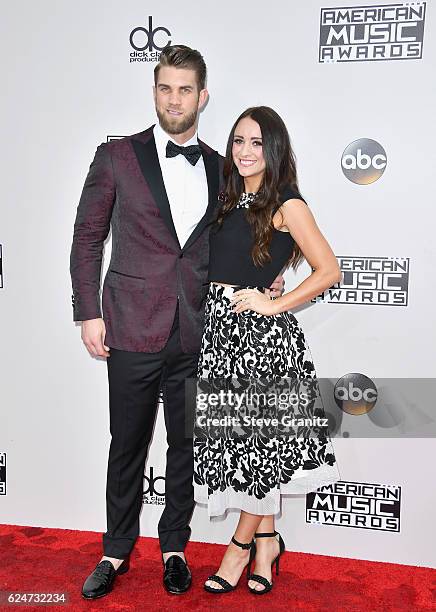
(176, 126)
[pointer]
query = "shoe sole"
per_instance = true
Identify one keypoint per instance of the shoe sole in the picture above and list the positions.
(176, 592)
(97, 596)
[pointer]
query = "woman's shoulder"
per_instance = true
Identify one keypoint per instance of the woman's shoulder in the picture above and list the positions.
(288, 192)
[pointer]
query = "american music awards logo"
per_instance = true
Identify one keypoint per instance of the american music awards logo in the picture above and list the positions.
(154, 488)
(377, 32)
(370, 281)
(148, 42)
(2, 473)
(356, 504)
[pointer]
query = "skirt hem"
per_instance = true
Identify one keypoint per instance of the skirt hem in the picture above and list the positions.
(220, 502)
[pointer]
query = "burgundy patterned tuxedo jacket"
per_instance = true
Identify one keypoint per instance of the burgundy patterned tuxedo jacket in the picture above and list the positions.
(148, 270)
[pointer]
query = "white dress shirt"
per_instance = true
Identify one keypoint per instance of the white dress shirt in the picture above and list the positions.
(185, 184)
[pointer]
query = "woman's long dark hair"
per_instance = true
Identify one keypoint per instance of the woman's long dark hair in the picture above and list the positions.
(280, 170)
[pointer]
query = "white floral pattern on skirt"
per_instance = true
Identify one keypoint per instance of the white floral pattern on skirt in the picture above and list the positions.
(252, 472)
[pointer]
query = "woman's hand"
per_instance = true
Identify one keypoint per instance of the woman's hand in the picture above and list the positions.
(253, 299)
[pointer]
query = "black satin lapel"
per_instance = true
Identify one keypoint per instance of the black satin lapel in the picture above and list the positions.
(212, 174)
(148, 160)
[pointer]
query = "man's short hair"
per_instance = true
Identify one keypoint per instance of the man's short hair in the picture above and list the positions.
(181, 56)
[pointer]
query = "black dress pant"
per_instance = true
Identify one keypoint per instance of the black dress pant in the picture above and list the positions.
(135, 380)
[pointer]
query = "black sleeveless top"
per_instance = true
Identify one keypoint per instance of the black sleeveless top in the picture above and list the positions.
(230, 259)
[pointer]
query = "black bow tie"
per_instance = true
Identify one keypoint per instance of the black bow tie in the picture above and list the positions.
(192, 152)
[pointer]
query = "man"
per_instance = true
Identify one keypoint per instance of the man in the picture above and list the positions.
(158, 190)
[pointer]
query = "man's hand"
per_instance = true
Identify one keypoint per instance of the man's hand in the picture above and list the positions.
(276, 288)
(93, 335)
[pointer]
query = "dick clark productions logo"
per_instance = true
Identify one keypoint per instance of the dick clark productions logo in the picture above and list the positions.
(154, 488)
(148, 42)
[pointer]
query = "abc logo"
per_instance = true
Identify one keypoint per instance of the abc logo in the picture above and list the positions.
(142, 39)
(364, 161)
(355, 394)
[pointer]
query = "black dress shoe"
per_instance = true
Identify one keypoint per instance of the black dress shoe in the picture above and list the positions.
(100, 582)
(177, 576)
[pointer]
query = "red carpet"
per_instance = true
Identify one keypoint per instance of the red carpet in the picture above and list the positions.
(54, 560)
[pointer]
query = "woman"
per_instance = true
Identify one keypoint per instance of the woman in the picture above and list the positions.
(263, 226)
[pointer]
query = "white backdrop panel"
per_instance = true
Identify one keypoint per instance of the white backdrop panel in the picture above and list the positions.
(68, 84)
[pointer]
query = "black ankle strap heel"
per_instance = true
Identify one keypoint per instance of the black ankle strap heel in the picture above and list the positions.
(244, 546)
(250, 546)
(226, 586)
(261, 579)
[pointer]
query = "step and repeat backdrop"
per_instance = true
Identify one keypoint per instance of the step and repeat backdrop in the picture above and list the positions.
(355, 87)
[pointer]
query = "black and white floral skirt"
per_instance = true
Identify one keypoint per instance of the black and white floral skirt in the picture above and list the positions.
(260, 428)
